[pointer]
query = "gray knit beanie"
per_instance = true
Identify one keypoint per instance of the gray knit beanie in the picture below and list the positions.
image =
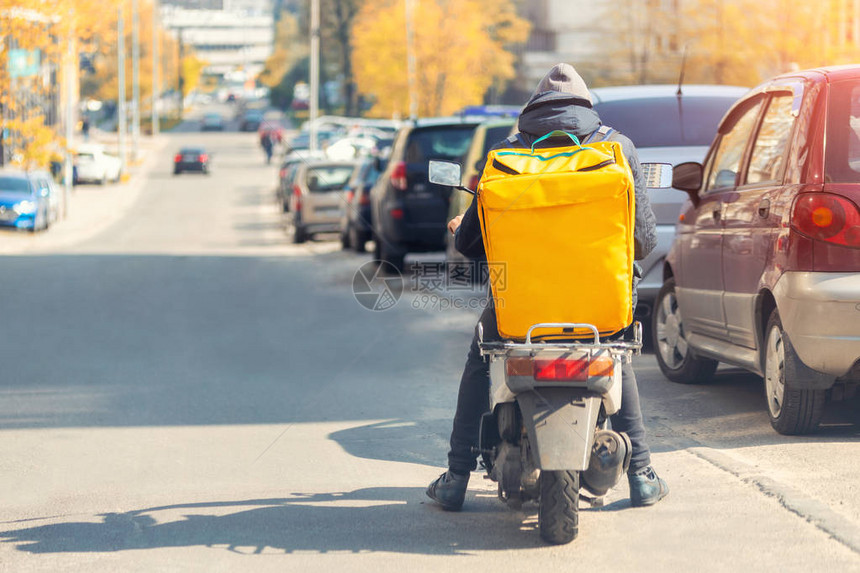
(563, 78)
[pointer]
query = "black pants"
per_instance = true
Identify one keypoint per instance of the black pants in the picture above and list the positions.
(474, 399)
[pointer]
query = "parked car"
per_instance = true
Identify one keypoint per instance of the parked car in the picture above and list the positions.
(93, 164)
(28, 199)
(212, 122)
(318, 200)
(486, 136)
(355, 226)
(765, 271)
(665, 128)
(251, 120)
(191, 159)
(302, 140)
(409, 213)
(287, 171)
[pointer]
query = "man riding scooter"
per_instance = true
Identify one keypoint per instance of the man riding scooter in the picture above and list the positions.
(561, 102)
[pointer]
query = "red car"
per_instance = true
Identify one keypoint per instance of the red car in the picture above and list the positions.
(764, 273)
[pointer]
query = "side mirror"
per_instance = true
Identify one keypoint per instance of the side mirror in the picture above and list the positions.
(445, 173)
(688, 176)
(657, 175)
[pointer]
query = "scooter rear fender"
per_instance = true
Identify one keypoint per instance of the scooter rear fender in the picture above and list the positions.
(560, 423)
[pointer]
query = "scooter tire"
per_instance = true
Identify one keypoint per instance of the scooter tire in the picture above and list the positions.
(558, 510)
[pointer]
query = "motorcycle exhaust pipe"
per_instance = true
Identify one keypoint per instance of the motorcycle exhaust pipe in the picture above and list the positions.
(609, 460)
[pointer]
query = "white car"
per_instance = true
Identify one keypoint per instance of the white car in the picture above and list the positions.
(92, 164)
(665, 128)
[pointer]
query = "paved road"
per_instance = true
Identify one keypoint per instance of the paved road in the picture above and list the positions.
(183, 389)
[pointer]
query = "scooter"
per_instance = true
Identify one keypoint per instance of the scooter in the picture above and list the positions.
(547, 437)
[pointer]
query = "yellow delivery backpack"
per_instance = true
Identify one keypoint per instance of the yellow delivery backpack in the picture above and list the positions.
(558, 226)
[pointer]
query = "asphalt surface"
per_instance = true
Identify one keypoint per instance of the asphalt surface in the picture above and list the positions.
(185, 390)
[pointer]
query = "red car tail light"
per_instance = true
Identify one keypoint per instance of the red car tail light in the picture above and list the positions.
(397, 213)
(203, 158)
(473, 182)
(297, 192)
(398, 176)
(349, 196)
(364, 199)
(177, 158)
(827, 217)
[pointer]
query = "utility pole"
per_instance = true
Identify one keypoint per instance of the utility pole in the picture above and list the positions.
(410, 58)
(315, 72)
(68, 172)
(135, 80)
(156, 89)
(181, 76)
(121, 111)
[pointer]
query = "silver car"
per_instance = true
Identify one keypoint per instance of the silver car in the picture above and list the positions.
(318, 200)
(666, 127)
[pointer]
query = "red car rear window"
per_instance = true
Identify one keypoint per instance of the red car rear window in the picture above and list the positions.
(842, 160)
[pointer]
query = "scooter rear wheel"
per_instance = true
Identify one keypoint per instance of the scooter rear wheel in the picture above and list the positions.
(558, 510)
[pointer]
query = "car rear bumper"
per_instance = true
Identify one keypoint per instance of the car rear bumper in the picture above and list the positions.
(317, 227)
(27, 221)
(190, 166)
(821, 314)
(90, 173)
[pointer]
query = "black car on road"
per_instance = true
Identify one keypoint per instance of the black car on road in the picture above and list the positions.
(191, 159)
(409, 213)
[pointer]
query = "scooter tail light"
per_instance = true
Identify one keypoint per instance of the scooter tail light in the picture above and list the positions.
(827, 217)
(601, 366)
(519, 367)
(561, 369)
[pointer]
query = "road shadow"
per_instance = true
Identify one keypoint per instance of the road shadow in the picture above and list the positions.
(423, 442)
(391, 519)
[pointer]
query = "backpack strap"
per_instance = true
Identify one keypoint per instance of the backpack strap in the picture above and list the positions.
(603, 130)
(516, 137)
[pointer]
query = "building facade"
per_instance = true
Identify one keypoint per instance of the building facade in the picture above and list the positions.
(230, 35)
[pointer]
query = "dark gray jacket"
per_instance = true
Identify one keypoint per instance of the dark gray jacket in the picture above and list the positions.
(551, 111)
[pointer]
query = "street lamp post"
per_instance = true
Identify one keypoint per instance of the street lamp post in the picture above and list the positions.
(410, 58)
(155, 80)
(315, 72)
(135, 80)
(68, 172)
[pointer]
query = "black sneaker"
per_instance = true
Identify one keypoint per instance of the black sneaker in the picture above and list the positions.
(449, 490)
(646, 488)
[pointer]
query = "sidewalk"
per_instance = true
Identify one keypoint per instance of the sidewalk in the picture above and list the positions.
(91, 208)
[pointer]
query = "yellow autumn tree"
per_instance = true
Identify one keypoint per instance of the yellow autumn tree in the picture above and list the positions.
(45, 30)
(746, 41)
(287, 51)
(459, 46)
(28, 36)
